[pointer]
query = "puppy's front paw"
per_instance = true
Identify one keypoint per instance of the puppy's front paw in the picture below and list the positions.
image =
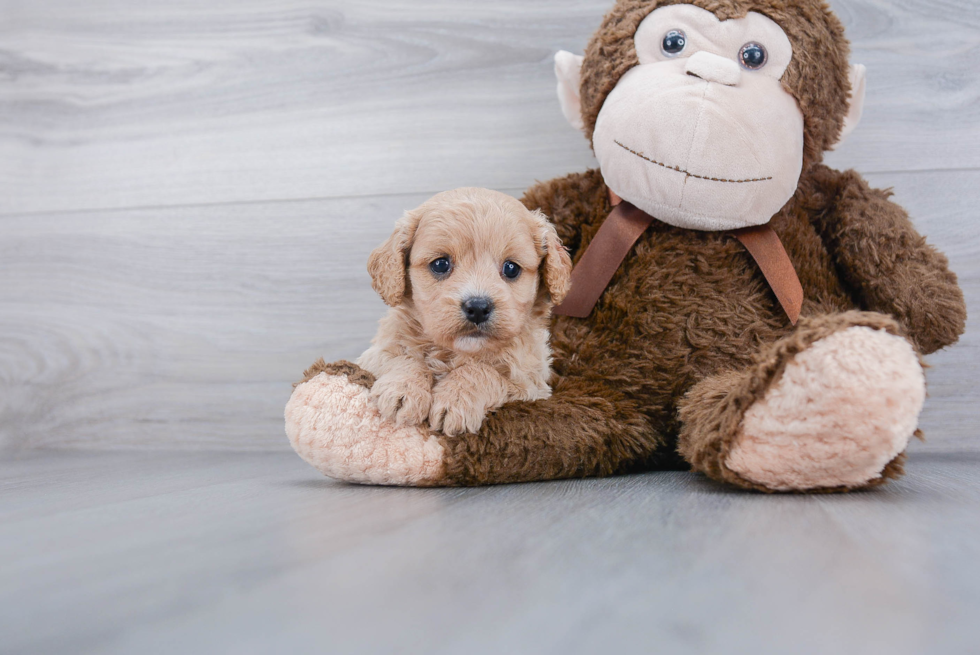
(456, 408)
(403, 401)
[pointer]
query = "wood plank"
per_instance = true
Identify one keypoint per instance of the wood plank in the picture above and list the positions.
(184, 327)
(112, 104)
(136, 104)
(204, 553)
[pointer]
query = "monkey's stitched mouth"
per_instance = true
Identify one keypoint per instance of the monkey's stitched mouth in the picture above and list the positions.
(688, 173)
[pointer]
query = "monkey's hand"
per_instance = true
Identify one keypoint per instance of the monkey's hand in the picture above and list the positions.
(403, 393)
(461, 400)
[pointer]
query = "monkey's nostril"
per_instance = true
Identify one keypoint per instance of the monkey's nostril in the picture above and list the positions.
(477, 310)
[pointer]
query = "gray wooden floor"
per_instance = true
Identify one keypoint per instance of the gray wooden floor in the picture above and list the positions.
(250, 553)
(188, 193)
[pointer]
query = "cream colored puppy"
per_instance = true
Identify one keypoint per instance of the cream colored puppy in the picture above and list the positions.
(471, 277)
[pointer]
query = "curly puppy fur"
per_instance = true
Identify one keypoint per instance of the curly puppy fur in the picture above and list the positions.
(431, 362)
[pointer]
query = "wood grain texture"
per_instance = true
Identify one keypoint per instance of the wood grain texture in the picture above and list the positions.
(147, 104)
(256, 553)
(109, 104)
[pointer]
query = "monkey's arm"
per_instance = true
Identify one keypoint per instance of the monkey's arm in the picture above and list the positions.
(571, 202)
(887, 264)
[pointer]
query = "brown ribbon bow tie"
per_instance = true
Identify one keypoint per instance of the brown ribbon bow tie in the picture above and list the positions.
(623, 227)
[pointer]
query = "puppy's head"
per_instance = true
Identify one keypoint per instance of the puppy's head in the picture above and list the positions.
(477, 266)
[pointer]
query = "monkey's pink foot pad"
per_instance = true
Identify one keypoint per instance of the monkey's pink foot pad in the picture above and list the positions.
(333, 425)
(842, 410)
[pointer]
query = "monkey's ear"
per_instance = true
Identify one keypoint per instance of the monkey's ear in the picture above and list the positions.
(568, 70)
(855, 107)
(388, 261)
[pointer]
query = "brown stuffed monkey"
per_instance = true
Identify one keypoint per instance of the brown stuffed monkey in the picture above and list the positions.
(709, 119)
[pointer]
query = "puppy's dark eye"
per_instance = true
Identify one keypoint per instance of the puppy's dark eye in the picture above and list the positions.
(510, 270)
(753, 56)
(440, 266)
(674, 42)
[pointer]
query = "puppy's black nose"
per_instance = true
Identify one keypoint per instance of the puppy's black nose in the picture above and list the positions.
(477, 310)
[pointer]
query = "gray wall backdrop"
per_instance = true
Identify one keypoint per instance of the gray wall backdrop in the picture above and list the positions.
(189, 189)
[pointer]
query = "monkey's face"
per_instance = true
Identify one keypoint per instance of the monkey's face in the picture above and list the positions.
(701, 134)
(706, 119)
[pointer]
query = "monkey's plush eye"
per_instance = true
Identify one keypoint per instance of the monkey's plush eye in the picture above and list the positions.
(440, 266)
(510, 270)
(674, 42)
(753, 56)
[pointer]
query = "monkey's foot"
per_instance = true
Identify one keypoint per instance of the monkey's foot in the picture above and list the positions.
(843, 409)
(333, 425)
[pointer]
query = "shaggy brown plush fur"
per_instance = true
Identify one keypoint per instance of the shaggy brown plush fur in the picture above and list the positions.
(688, 333)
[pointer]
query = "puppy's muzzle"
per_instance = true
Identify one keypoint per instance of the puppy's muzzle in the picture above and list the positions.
(477, 310)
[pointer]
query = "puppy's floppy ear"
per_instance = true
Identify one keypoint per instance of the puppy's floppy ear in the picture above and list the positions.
(388, 261)
(556, 264)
